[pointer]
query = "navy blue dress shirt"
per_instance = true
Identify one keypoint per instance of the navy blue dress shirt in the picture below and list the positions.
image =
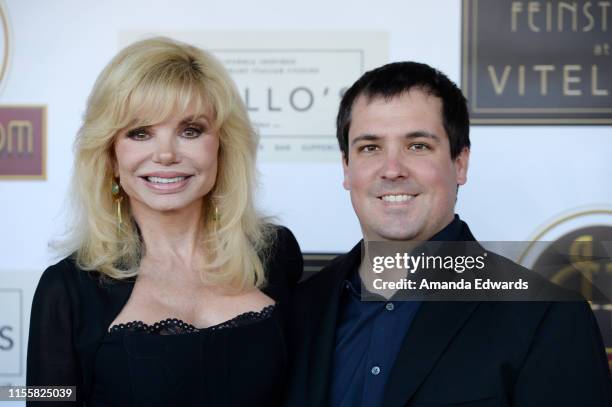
(369, 335)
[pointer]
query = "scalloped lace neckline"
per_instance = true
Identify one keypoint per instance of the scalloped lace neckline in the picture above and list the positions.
(174, 326)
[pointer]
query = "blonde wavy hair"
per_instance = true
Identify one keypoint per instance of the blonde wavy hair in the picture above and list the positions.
(145, 84)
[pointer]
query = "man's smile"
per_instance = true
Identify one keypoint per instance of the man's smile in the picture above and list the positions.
(397, 197)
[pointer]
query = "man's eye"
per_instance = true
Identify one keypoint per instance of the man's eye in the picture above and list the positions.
(419, 147)
(368, 148)
(192, 132)
(138, 134)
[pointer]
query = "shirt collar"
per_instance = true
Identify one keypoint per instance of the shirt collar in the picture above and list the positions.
(450, 233)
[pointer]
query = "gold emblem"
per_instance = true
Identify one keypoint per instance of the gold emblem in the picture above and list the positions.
(4, 43)
(575, 251)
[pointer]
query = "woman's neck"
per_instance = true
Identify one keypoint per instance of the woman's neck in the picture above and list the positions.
(173, 239)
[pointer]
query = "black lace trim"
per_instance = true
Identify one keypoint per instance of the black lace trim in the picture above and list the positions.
(173, 326)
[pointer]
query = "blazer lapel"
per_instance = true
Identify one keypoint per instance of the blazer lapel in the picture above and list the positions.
(433, 328)
(321, 355)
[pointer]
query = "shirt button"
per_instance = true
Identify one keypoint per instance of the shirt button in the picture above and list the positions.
(375, 370)
(390, 306)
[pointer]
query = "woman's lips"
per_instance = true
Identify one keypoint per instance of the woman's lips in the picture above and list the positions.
(167, 184)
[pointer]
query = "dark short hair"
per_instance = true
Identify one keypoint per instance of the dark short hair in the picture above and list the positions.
(391, 80)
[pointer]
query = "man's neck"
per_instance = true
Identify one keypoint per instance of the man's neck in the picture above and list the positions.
(450, 232)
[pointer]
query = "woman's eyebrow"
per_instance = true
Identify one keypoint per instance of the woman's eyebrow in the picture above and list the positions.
(192, 119)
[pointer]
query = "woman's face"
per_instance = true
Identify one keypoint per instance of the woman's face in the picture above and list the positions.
(168, 166)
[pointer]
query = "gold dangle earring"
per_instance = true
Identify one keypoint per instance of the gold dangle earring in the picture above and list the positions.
(216, 218)
(117, 198)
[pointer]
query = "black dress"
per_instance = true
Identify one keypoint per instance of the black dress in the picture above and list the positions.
(238, 362)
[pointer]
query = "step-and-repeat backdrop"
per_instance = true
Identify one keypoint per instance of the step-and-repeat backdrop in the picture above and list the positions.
(537, 74)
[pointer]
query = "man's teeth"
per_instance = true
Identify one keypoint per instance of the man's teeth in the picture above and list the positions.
(159, 180)
(397, 198)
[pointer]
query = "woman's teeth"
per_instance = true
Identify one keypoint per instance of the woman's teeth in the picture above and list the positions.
(159, 180)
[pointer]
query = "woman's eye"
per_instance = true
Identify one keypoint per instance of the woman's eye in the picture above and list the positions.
(138, 134)
(192, 132)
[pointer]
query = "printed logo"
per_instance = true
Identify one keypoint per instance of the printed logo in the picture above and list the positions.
(4, 43)
(22, 142)
(579, 257)
(537, 62)
(22, 128)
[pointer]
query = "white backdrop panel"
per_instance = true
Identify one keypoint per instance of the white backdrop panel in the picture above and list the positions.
(519, 178)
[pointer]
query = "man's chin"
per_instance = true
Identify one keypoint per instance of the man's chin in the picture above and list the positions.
(394, 235)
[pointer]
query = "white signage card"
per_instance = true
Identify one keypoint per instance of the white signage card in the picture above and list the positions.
(290, 81)
(16, 291)
(11, 318)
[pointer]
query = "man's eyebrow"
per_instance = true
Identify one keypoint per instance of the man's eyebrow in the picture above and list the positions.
(422, 134)
(411, 135)
(365, 137)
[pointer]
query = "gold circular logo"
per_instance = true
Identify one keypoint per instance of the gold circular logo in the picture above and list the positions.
(4, 43)
(575, 251)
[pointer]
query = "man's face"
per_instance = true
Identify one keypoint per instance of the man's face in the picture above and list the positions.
(399, 172)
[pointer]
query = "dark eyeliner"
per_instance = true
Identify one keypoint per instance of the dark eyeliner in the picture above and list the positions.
(135, 133)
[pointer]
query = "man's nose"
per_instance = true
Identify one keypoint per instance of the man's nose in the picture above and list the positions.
(165, 150)
(393, 166)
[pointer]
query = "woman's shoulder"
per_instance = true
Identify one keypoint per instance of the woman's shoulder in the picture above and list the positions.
(283, 244)
(66, 284)
(284, 259)
(60, 274)
(56, 287)
(282, 237)
(66, 275)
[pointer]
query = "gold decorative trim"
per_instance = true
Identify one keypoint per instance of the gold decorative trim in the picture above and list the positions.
(5, 28)
(556, 223)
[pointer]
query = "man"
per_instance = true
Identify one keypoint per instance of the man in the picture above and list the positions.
(403, 130)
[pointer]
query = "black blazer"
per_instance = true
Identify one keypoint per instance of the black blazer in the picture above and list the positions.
(459, 353)
(72, 310)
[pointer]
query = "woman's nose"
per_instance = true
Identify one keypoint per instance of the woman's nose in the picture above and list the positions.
(165, 152)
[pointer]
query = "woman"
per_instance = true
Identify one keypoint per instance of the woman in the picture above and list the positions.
(176, 289)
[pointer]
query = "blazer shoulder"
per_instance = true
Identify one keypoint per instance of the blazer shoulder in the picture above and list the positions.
(552, 309)
(318, 285)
